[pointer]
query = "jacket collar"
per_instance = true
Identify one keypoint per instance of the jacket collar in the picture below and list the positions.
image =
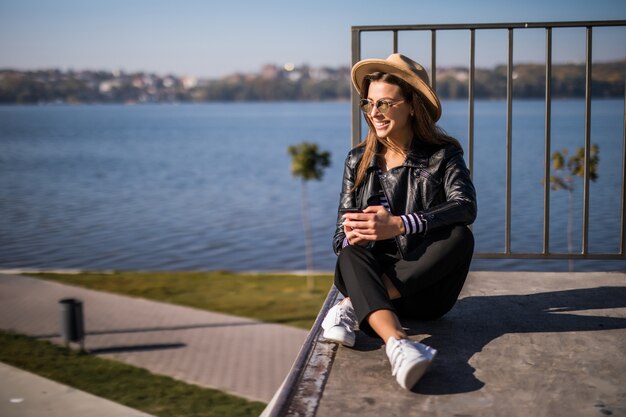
(416, 158)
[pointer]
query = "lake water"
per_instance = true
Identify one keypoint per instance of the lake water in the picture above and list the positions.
(208, 186)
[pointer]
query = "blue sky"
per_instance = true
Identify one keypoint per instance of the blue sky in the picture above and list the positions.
(212, 39)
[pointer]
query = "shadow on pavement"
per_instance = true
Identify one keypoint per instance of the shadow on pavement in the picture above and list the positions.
(136, 348)
(155, 329)
(475, 321)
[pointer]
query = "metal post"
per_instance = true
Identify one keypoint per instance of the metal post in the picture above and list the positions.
(433, 60)
(509, 143)
(470, 122)
(356, 114)
(588, 64)
(72, 322)
(395, 41)
(622, 240)
(547, 151)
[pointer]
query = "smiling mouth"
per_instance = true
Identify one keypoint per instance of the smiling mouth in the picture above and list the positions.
(380, 124)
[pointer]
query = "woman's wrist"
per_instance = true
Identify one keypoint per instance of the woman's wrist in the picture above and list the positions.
(413, 223)
(400, 223)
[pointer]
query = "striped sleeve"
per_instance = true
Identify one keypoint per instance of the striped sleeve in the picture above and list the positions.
(413, 223)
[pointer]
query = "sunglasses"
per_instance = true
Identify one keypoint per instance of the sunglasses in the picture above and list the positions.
(382, 105)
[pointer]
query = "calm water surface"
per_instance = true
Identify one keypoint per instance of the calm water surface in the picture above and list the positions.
(208, 186)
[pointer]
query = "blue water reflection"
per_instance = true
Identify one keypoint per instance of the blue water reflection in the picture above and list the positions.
(208, 186)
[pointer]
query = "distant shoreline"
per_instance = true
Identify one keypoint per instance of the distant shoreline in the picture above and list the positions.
(275, 84)
(338, 101)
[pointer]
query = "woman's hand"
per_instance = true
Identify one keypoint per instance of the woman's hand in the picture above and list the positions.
(374, 223)
(352, 236)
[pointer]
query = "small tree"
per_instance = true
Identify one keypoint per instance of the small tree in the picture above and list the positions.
(308, 163)
(568, 169)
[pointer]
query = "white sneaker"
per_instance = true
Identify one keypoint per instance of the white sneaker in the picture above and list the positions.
(409, 360)
(340, 323)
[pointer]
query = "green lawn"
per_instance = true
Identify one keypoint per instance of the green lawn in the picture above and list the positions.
(273, 298)
(134, 387)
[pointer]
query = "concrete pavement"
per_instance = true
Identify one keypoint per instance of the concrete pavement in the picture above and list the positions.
(23, 394)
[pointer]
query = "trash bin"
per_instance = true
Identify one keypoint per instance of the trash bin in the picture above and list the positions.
(72, 325)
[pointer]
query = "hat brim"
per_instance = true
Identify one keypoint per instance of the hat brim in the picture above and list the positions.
(365, 67)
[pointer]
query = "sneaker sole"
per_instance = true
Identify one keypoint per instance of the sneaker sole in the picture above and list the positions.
(328, 335)
(414, 374)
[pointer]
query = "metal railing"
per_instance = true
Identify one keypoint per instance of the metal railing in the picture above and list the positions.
(511, 28)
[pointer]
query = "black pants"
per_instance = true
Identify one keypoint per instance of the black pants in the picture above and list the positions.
(429, 280)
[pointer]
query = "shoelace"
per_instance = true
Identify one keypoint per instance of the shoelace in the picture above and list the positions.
(345, 318)
(400, 353)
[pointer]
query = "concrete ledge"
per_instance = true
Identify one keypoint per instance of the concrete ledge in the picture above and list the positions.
(302, 389)
(515, 344)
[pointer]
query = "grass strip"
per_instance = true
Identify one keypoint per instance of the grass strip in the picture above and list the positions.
(125, 384)
(272, 298)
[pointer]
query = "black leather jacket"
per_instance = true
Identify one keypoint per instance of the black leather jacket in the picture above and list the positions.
(433, 181)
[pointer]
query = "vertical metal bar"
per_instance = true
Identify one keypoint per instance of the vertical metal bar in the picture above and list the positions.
(622, 240)
(395, 41)
(470, 122)
(433, 60)
(585, 241)
(356, 114)
(509, 143)
(547, 151)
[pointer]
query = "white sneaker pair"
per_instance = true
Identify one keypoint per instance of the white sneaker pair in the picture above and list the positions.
(409, 360)
(340, 323)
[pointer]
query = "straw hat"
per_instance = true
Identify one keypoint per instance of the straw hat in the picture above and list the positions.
(404, 68)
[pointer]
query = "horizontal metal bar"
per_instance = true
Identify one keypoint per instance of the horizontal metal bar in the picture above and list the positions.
(518, 25)
(513, 255)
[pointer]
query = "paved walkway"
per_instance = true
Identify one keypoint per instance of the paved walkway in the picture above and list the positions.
(23, 394)
(244, 357)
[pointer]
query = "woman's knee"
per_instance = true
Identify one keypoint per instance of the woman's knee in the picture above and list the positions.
(424, 308)
(352, 250)
(460, 244)
(463, 236)
(349, 263)
(354, 253)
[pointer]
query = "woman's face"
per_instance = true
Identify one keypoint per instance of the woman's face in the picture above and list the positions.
(395, 123)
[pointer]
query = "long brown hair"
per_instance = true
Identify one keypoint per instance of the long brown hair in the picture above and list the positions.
(423, 125)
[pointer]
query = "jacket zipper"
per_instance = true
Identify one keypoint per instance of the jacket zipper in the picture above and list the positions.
(382, 186)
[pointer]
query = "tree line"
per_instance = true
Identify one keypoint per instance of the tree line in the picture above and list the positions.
(529, 81)
(55, 86)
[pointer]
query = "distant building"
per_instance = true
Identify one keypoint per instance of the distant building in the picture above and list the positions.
(188, 82)
(269, 72)
(108, 85)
